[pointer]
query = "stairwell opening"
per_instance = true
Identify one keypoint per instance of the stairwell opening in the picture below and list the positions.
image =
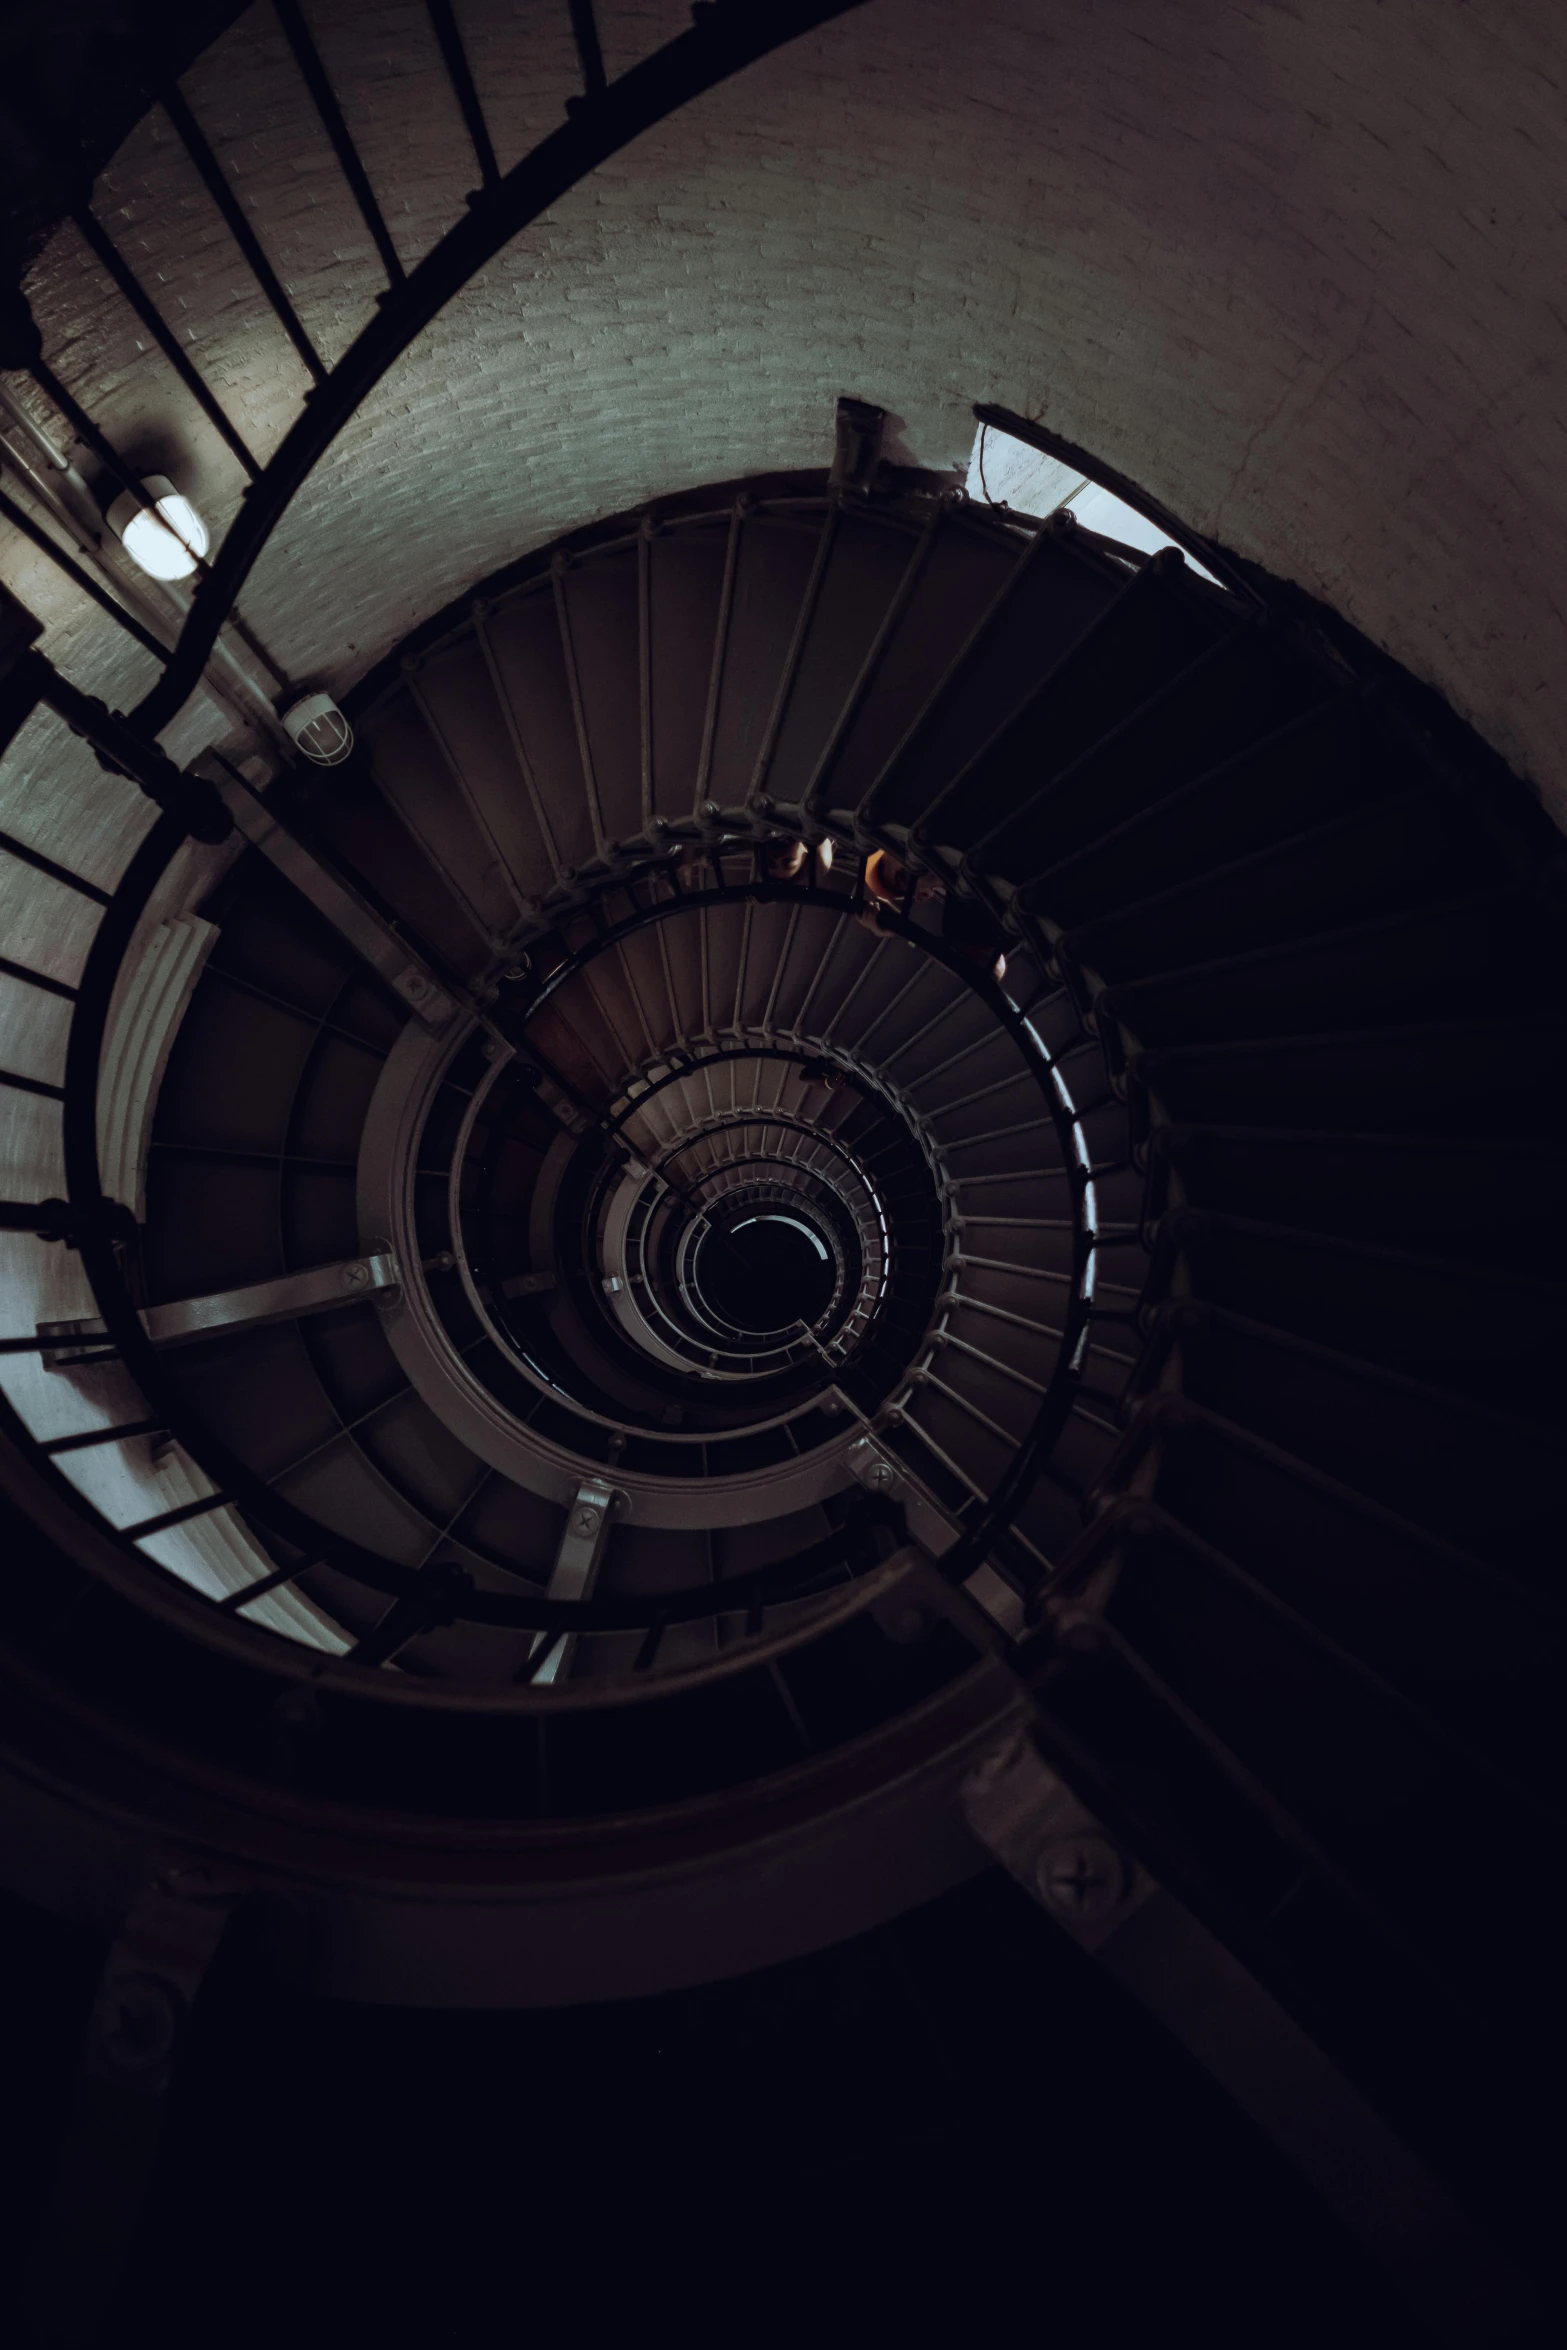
(765, 1272)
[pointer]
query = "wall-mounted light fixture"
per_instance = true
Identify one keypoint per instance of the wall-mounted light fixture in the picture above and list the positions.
(166, 538)
(318, 726)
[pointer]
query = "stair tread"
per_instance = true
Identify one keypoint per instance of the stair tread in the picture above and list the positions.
(1153, 630)
(959, 571)
(1148, 928)
(1199, 1418)
(1326, 754)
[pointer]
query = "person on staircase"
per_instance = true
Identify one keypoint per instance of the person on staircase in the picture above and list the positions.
(965, 925)
(795, 860)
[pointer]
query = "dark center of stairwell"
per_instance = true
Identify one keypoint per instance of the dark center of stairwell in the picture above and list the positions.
(765, 1272)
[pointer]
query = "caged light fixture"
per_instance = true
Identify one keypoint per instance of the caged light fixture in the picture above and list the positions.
(320, 730)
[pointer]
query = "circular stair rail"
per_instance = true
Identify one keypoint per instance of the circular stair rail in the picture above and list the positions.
(455, 1596)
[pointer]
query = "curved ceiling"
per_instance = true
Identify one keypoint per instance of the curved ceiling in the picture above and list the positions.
(1291, 269)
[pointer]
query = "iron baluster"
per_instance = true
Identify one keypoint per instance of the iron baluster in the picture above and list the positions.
(219, 188)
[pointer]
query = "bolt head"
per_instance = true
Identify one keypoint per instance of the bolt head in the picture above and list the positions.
(355, 1276)
(585, 1522)
(1082, 1878)
(139, 2023)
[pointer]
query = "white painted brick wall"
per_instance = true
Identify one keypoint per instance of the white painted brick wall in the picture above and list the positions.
(1296, 268)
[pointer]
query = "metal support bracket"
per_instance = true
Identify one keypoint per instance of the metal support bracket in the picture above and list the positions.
(371, 939)
(858, 428)
(526, 1285)
(577, 1562)
(190, 1318)
(1152, 1945)
(188, 796)
(134, 2037)
(881, 1474)
(1052, 1844)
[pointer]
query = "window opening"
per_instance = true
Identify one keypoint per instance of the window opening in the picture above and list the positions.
(1007, 472)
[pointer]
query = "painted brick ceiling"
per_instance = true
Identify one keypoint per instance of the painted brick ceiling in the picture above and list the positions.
(1295, 268)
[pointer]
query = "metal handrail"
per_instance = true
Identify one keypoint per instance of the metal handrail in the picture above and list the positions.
(723, 40)
(768, 1186)
(236, 1485)
(616, 1424)
(727, 36)
(233, 1483)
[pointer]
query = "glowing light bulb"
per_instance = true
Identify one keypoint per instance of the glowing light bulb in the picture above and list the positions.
(166, 539)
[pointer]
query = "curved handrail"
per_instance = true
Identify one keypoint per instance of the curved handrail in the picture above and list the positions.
(618, 1424)
(236, 1483)
(450, 1595)
(453, 1594)
(723, 40)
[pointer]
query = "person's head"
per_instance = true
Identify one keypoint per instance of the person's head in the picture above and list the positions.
(785, 859)
(892, 884)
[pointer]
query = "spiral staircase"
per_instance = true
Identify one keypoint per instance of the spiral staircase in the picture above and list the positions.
(1166, 1293)
(650, 1338)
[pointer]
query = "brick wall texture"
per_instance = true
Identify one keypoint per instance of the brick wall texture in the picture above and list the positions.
(1293, 265)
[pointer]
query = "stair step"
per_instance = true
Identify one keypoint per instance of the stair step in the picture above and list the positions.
(1402, 852)
(416, 778)
(1468, 1078)
(954, 582)
(1474, 1476)
(1039, 1243)
(1474, 1331)
(687, 565)
(529, 662)
(354, 830)
(867, 562)
(1375, 1789)
(989, 1062)
(601, 618)
(1243, 692)
(1153, 631)
(1331, 762)
(773, 557)
(1256, 1499)
(1456, 1197)
(1474, 1654)
(1054, 596)
(1469, 955)
(456, 694)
